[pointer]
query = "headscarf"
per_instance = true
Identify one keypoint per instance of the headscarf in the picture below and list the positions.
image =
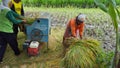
(81, 17)
(5, 2)
(3, 5)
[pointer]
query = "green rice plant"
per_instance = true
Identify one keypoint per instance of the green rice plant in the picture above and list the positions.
(104, 59)
(63, 3)
(82, 54)
(112, 10)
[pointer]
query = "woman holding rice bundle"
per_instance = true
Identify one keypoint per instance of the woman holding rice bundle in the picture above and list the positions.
(74, 28)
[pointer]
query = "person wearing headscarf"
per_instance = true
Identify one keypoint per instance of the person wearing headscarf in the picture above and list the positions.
(7, 36)
(74, 25)
(74, 29)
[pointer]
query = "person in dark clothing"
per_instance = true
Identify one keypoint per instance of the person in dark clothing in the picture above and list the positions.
(17, 6)
(7, 18)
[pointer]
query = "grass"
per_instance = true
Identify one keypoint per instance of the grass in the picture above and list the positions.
(48, 59)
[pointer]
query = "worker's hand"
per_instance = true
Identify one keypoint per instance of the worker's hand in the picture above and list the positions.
(24, 21)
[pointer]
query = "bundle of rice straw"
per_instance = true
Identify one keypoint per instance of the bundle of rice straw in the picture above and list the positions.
(81, 53)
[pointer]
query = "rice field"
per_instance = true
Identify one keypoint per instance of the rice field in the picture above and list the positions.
(98, 26)
(64, 3)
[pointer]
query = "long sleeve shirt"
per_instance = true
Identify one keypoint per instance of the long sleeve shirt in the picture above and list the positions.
(7, 18)
(72, 28)
(12, 16)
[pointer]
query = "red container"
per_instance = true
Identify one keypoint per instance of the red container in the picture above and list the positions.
(33, 51)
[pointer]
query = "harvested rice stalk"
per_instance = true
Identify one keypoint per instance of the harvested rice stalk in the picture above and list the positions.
(67, 42)
(81, 53)
(30, 20)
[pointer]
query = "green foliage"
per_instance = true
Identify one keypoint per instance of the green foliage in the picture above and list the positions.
(114, 14)
(63, 3)
(104, 59)
(118, 13)
(101, 5)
